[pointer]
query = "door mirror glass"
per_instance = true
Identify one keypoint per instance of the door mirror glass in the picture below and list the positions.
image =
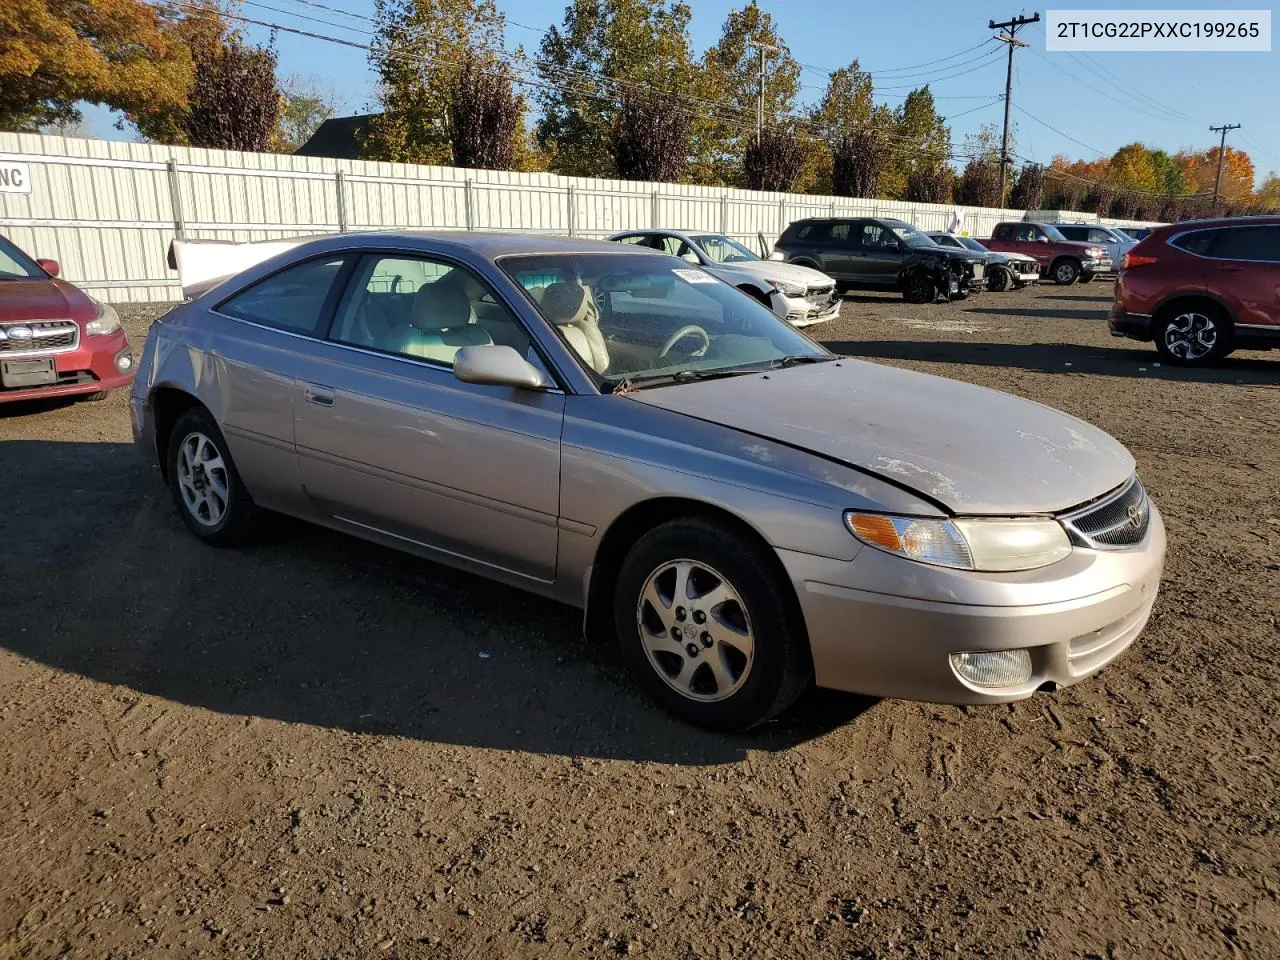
(497, 365)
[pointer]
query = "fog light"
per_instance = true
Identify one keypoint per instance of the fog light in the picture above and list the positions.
(993, 668)
(124, 362)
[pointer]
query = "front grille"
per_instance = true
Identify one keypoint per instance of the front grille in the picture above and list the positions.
(39, 336)
(820, 294)
(1119, 519)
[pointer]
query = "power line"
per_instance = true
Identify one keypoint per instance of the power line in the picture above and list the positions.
(1012, 25)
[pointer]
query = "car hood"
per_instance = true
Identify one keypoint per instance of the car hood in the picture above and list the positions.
(973, 450)
(43, 299)
(774, 270)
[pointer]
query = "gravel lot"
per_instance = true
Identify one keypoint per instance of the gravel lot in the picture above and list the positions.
(319, 748)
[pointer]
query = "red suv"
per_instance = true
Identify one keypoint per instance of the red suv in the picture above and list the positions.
(55, 340)
(1202, 288)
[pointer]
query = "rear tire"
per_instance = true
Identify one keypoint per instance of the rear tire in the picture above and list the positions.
(206, 487)
(96, 397)
(707, 627)
(1065, 272)
(1193, 334)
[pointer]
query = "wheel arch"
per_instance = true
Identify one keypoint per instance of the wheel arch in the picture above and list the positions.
(756, 290)
(637, 520)
(1173, 300)
(168, 403)
(1065, 256)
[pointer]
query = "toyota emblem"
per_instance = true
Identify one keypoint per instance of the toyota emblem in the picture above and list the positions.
(1135, 516)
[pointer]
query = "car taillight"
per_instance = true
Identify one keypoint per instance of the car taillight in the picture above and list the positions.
(1140, 260)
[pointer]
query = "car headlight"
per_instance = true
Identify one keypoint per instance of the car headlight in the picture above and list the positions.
(788, 289)
(1097, 252)
(107, 321)
(994, 545)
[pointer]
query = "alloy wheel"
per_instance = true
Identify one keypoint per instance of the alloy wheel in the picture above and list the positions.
(1191, 336)
(695, 630)
(202, 479)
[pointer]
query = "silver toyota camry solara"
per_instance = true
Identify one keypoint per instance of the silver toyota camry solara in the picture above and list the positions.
(745, 512)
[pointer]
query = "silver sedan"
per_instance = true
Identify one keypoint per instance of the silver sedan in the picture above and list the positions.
(741, 511)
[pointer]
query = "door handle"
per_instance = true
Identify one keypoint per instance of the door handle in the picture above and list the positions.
(317, 393)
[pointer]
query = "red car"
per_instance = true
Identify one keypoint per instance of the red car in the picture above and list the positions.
(1202, 288)
(55, 340)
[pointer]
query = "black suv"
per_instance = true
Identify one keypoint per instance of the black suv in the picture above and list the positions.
(882, 253)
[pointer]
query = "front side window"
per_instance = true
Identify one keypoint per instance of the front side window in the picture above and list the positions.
(16, 265)
(1053, 233)
(629, 318)
(1248, 243)
(293, 299)
(721, 249)
(423, 309)
(910, 236)
(1101, 236)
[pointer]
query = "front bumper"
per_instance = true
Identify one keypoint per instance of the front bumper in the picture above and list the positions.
(1135, 326)
(1102, 265)
(1074, 617)
(803, 312)
(90, 368)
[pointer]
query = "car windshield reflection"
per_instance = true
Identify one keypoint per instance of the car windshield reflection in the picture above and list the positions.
(634, 319)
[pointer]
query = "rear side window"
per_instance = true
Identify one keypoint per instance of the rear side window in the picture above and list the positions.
(1198, 241)
(293, 299)
(1003, 232)
(1247, 243)
(797, 231)
(839, 232)
(1074, 233)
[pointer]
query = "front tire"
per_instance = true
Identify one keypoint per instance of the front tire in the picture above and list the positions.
(1065, 272)
(206, 487)
(919, 287)
(1193, 335)
(999, 280)
(706, 626)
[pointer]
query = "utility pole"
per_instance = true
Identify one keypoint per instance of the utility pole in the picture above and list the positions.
(762, 47)
(1012, 25)
(1222, 150)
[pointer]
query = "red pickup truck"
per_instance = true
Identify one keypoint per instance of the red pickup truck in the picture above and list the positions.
(1061, 260)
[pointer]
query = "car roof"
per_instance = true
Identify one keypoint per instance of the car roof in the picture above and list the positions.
(1256, 220)
(488, 244)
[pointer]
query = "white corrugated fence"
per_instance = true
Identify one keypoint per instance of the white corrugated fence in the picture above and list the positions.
(107, 210)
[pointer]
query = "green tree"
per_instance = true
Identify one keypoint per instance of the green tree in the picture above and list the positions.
(484, 118)
(303, 108)
(55, 54)
(730, 74)
(419, 54)
(922, 141)
(604, 51)
(979, 184)
(1169, 177)
(842, 114)
(1268, 195)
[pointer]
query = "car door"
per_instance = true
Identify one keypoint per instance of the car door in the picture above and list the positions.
(389, 441)
(1244, 268)
(880, 254)
(838, 254)
(254, 359)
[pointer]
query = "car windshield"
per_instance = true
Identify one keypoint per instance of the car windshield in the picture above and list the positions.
(723, 250)
(973, 244)
(1053, 232)
(639, 320)
(910, 236)
(16, 265)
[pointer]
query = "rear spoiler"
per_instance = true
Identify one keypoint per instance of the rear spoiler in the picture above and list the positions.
(203, 264)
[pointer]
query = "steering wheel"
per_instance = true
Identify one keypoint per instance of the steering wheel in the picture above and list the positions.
(685, 331)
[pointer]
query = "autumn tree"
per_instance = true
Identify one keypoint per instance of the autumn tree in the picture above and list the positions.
(1028, 188)
(303, 108)
(1268, 196)
(55, 54)
(650, 140)
(234, 103)
(931, 184)
(730, 75)
(844, 112)
(1199, 171)
(775, 162)
(419, 54)
(980, 181)
(922, 139)
(858, 161)
(604, 52)
(483, 116)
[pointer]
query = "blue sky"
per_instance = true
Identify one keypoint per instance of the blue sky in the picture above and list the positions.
(1076, 104)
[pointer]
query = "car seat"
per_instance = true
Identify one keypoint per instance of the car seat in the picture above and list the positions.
(441, 322)
(570, 307)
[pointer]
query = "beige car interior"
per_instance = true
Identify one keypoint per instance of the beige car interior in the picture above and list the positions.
(571, 308)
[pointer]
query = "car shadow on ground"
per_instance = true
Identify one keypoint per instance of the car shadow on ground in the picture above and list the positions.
(1102, 298)
(312, 626)
(1252, 370)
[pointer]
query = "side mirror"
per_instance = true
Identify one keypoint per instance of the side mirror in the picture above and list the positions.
(690, 257)
(777, 255)
(50, 267)
(497, 365)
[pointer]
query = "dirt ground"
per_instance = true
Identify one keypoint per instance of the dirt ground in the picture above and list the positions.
(319, 748)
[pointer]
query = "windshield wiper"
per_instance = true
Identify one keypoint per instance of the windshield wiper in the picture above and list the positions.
(797, 359)
(680, 376)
